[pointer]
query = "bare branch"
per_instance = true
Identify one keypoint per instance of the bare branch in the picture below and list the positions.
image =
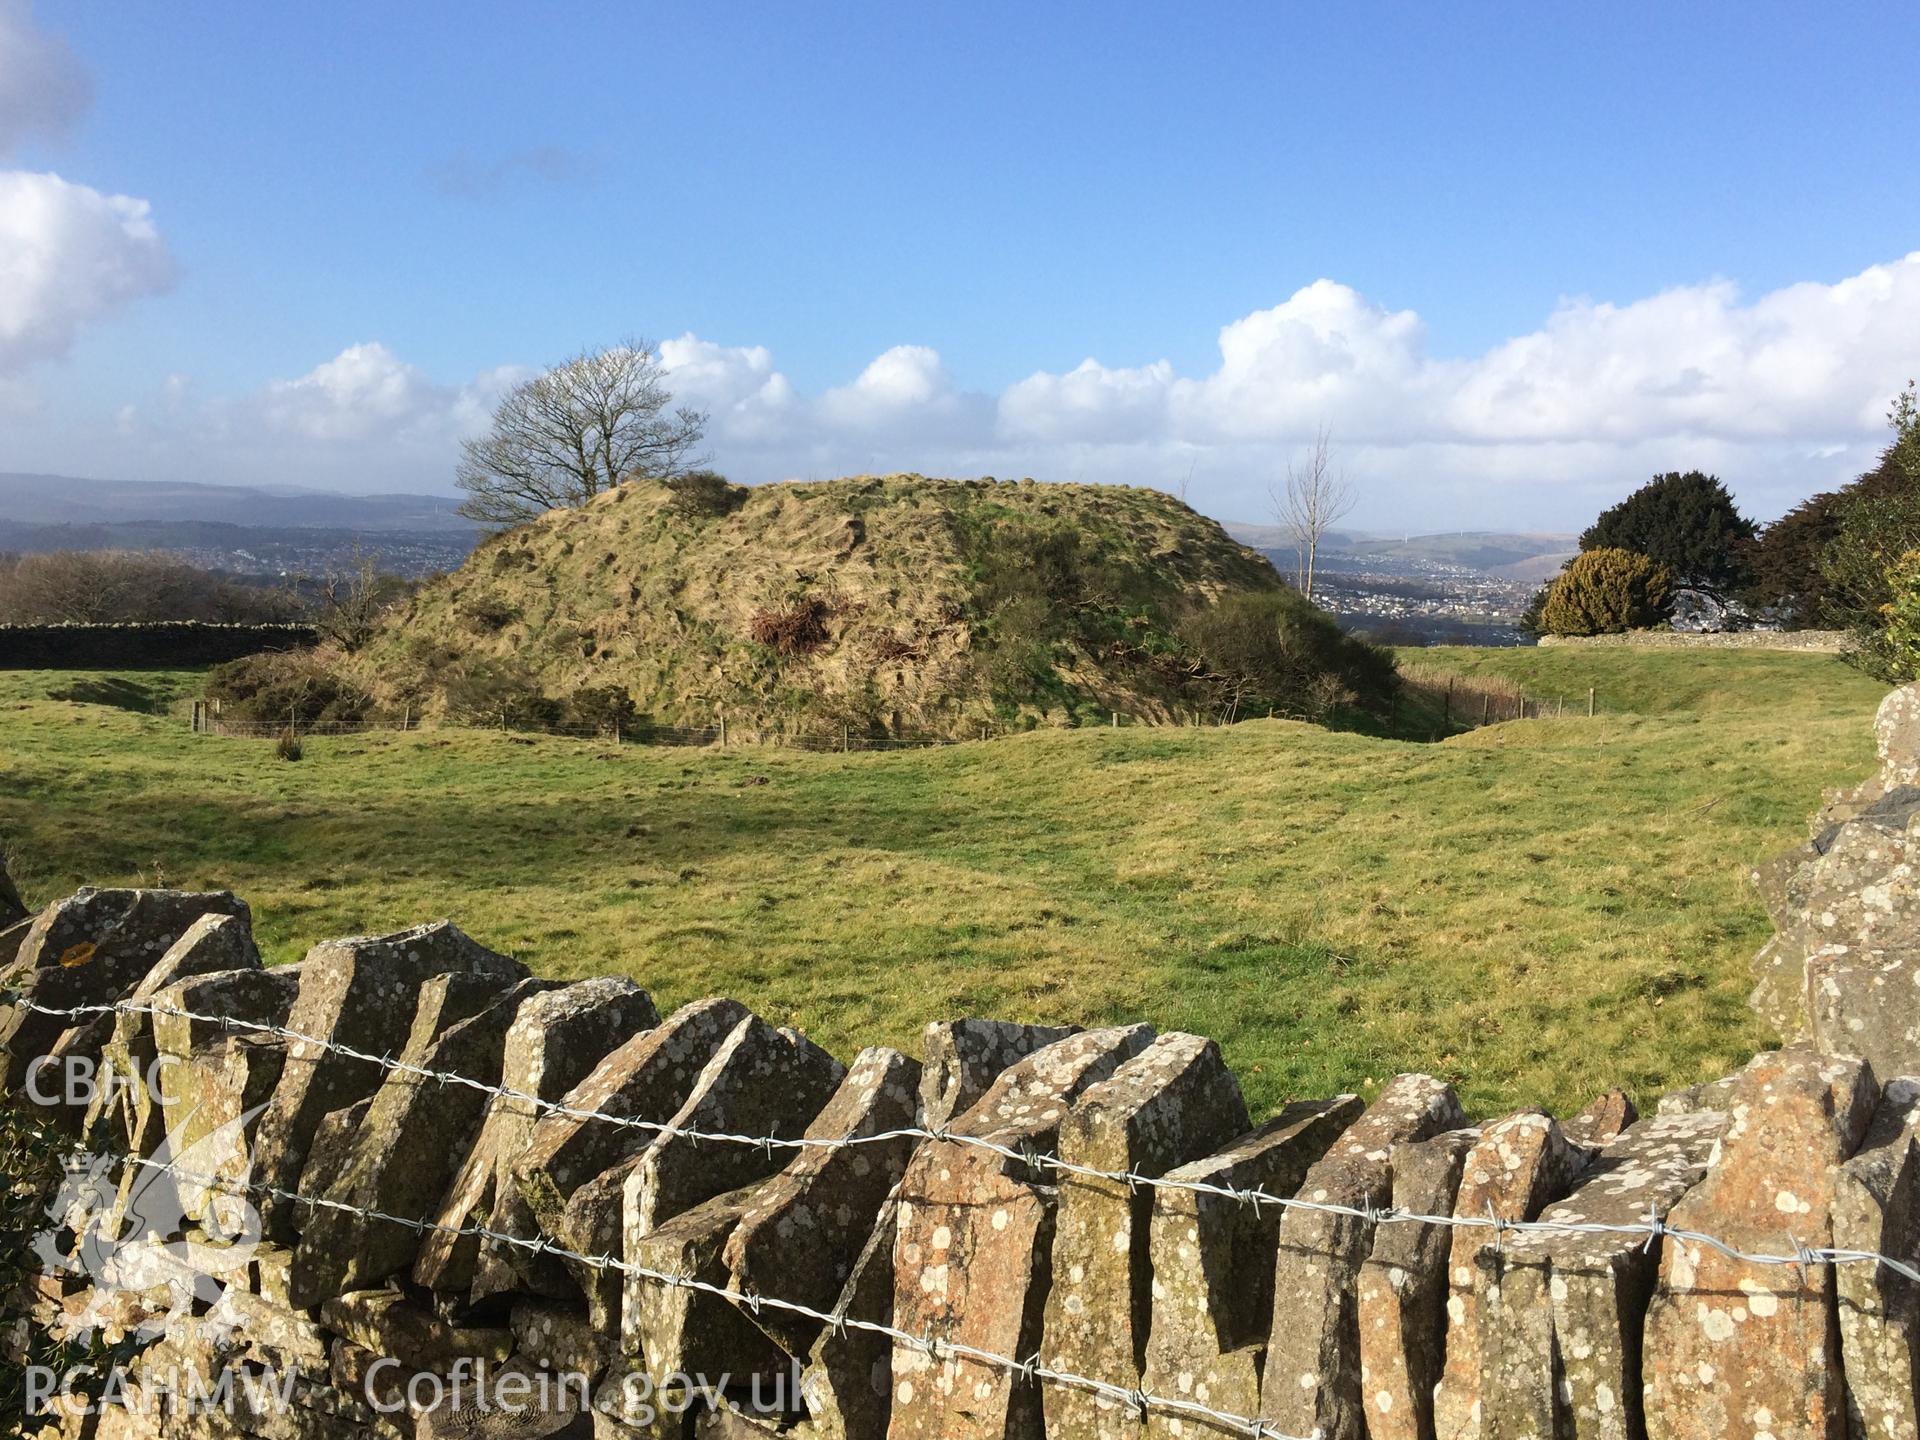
(585, 426)
(1313, 499)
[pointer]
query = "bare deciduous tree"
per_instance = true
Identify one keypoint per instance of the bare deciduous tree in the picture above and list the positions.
(122, 587)
(583, 427)
(348, 603)
(1314, 497)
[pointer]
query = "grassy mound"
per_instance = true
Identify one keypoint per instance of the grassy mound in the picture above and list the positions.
(888, 605)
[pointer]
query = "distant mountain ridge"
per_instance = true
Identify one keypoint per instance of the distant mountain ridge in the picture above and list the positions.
(71, 500)
(1514, 555)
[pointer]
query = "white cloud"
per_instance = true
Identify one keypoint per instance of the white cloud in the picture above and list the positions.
(68, 255)
(903, 391)
(1089, 399)
(736, 385)
(1809, 361)
(43, 90)
(1781, 395)
(363, 391)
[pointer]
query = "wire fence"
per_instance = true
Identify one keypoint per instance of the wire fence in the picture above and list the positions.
(1138, 1400)
(207, 720)
(1651, 1230)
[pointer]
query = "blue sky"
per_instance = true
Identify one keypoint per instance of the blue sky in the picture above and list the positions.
(1515, 257)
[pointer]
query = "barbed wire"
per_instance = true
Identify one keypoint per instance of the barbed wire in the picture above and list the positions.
(1651, 1230)
(1137, 1399)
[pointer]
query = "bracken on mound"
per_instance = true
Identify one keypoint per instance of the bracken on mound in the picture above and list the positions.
(882, 604)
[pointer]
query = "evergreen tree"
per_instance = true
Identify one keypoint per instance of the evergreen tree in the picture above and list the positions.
(1687, 524)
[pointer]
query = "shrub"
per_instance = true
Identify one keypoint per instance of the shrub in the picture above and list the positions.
(704, 494)
(291, 687)
(1605, 592)
(1866, 564)
(490, 612)
(482, 690)
(289, 747)
(800, 629)
(1900, 634)
(604, 707)
(1274, 651)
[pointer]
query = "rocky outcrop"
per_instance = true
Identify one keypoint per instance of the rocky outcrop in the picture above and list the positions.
(1844, 968)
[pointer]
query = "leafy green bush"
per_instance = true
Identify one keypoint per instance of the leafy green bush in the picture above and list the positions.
(1605, 592)
(1274, 652)
(1901, 632)
(1864, 565)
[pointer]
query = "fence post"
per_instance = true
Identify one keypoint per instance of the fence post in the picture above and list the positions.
(616, 730)
(1486, 708)
(723, 732)
(1590, 690)
(845, 738)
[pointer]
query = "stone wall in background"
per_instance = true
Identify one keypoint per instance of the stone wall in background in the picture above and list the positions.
(1818, 642)
(160, 645)
(1017, 1204)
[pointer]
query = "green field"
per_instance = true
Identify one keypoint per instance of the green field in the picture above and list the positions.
(1535, 910)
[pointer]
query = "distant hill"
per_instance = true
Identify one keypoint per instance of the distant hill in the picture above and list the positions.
(889, 604)
(239, 529)
(71, 500)
(1509, 555)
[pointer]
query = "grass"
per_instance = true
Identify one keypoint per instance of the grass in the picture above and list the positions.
(1536, 910)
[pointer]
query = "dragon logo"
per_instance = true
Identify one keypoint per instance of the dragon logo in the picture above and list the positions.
(170, 1235)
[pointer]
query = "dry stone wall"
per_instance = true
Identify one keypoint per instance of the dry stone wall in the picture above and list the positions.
(429, 1195)
(1812, 642)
